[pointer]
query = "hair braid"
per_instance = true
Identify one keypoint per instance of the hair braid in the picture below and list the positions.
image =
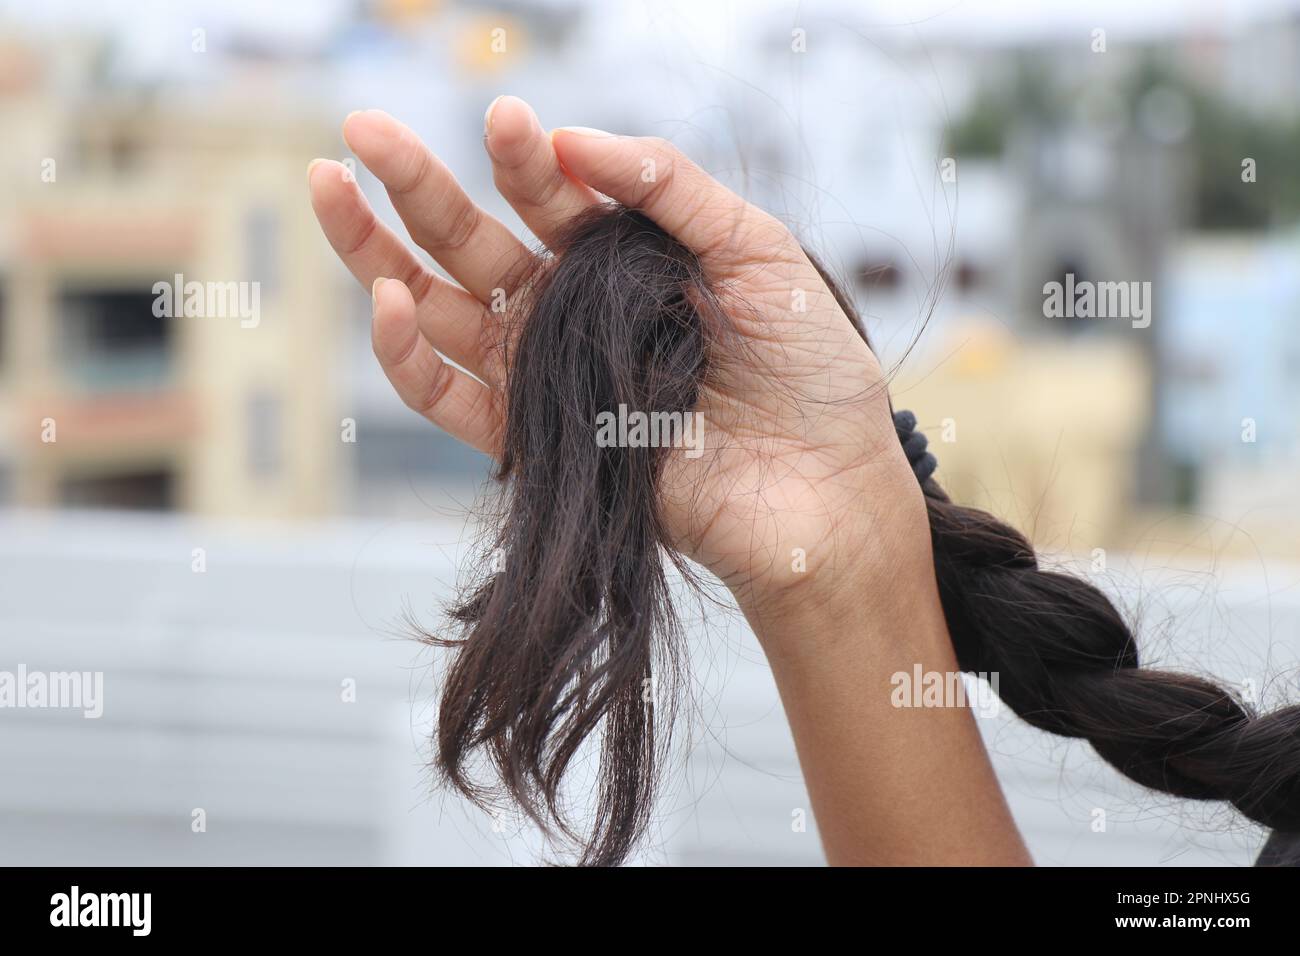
(1068, 664)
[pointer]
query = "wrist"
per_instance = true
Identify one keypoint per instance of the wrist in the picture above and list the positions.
(865, 560)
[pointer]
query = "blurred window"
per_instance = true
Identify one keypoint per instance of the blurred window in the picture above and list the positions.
(878, 276)
(966, 276)
(265, 428)
(150, 489)
(124, 150)
(262, 246)
(402, 453)
(1072, 323)
(1186, 485)
(112, 341)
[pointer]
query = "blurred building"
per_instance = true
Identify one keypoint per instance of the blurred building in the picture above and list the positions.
(1040, 432)
(1231, 382)
(106, 402)
(1064, 161)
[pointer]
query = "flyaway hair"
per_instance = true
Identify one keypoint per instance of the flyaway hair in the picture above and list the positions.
(574, 633)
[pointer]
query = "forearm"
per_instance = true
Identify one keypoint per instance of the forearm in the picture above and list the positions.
(888, 785)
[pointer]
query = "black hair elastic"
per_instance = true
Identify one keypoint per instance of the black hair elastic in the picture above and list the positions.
(914, 443)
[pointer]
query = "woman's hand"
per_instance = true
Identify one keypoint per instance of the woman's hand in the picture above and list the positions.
(802, 478)
(800, 453)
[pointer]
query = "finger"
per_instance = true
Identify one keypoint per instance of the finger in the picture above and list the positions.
(477, 250)
(450, 318)
(526, 171)
(452, 400)
(652, 175)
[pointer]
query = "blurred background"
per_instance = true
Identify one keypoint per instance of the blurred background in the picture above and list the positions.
(230, 515)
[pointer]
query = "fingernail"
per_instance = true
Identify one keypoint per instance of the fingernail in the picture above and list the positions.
(582, 131)
(312, 165)
(344, 125)
(374, 294)
(487, 116)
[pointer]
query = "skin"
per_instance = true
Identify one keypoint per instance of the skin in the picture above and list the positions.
(801, 454)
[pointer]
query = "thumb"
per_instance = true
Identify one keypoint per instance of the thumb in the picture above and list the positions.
(652, 175)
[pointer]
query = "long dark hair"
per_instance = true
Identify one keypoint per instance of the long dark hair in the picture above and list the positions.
(574, 630)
